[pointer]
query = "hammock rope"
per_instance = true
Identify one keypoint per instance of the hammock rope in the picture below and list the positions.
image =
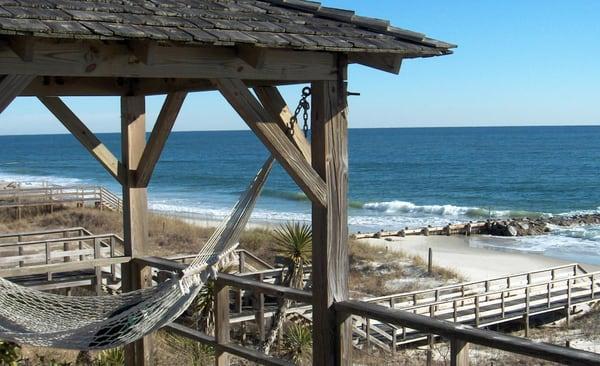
(99, 322)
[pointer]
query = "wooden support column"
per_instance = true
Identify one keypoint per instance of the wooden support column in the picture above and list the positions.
(135, 214)
(332, 338)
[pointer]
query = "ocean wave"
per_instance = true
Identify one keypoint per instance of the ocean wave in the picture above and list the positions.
(39, 179)
(404, 207)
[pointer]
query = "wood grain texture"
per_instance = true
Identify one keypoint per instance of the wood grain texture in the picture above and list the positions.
(332, 340)
(86, 137)
(110, 59)
(135, 215)
(221, 311)
(158, 137)
(273, 137)
(385, 62)
(274, 103)
(11, 86)
(109, 86)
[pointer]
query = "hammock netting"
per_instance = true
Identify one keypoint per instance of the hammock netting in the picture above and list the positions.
(99, 322)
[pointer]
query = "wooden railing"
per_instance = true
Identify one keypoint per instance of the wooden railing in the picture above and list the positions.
(59, 233)
(459, 335)
(51, 196)
(413, 298)
(49, 256)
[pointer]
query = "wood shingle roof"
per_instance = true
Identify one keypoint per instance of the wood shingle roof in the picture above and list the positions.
(293, 24)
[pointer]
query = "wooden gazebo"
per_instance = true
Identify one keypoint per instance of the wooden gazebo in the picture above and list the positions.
(135, 48)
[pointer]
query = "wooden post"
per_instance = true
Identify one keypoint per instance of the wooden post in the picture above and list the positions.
(368, 333)
(259, 299)
(568, 307)
(430, 262)
(241, 269)
(394, 340)
(48, 254)
(526, 316)
(429, 350)
(332, 337)
(135, 220)
(221, 323)
(459, 352)
(97, 269)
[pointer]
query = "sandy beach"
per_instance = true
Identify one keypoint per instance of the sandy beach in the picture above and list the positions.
(473, 263)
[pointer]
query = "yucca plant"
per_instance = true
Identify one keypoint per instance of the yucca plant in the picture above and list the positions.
(298, 344)
(293, 241)
(110, 357)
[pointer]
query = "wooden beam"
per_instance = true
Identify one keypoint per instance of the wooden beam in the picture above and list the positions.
(135, 215)
(274, 103)
(86, 137)
(158, 137)
(381, 61)
(22, 46)
(113, 59)
(332, 336)
(276, 141)
(11, 86)
(55, 86)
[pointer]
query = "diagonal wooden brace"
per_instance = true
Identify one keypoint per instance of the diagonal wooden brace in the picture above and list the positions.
(85, 137)
(273, 137)
(158, 137)
(274, 103)
(11, 86)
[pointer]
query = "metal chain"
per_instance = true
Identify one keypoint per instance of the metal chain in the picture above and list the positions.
(303, 106)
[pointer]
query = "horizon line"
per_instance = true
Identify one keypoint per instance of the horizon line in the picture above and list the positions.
(352, 128)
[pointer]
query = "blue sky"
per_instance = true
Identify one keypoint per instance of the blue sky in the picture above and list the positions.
(526, 62)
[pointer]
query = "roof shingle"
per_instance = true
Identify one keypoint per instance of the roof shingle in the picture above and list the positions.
(294, 24)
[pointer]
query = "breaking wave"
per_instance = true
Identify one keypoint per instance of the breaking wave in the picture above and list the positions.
(403, 207)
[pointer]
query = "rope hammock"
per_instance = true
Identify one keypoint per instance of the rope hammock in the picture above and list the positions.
(99, 322)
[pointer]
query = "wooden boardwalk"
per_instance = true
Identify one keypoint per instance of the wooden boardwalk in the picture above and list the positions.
(515, 297)
(485, 303)
(51, 196)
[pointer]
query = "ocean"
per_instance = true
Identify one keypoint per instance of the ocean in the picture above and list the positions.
(404, 177)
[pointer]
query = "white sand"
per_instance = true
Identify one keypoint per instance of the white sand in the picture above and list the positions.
(474, 263)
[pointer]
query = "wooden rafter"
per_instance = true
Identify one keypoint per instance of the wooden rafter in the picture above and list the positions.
(11, 86)
(385, 62)
(158, 137)
(85, 136)
(274, 103)
(273, 137)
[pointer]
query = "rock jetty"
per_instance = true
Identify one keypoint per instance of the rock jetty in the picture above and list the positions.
(507, 227)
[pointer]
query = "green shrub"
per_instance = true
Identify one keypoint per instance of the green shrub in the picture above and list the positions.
(10, 353)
